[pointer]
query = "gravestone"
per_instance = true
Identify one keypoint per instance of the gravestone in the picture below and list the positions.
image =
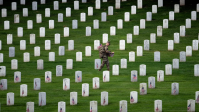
(139, 51)
(6, 25)
(197, 7)
(104, 98)
(160, 3)
(47, 12)
(119, 24)
(188, 50)
(127, 16)
(104, 0)
(42, 32)
(64, 1)
(103, 17)
(51, 24)
(112, 30)
(154, 9)
(110, 10)
(95, 24)
(61, 106)
(171, 15)
(76, 5)
(37, 51)
(30, 106)
(115, 70)
(105, 37)
(48, 76)
(56, 5)
(0, 45)
(160, 75)
(25, 12)
(134, 76)
(34, 5)
(10, 98)
(182, 31)
(122, 44)
(123, 63)
(196, 70)
(106, 76)
(123, 106)
(97, 63)
(20, 31)
(158, 106)
(47, 44)
(26, 57)
(142, 23)
(32, 38)
(190, 105)
(73, 98)
(182, 2)
(51, 56)
(66, 32)
(148, 16)
(38, 18)
(2, 71)
(165, 23)
(129, 38)
(96, 83)
(170, 45)
(151, 82)
(157, 56)
(61, 50)
(139, 4)
(88, 51)
(175, 88)
(23, 90)
(59, 70)
(152, 37)
(168, 69)
(29, 24)
(60, 17)
(16, 18)
(57, 38)
(85, 89)
(3, 12)
(133, 9)
(93, 106)
(37, 83)
(66, 84)
(3, 84)
(159, 31)
(136, 30)
(195, 45)
(88, 31)
(79, 56)
(176, 8)
(42, 1)
(96, 44)
(117, 4)
(146, 45)
(83, 17)
(182, 56)
(188, 23)
(22, 44)
(175, 63)
(90, 11)
(193, 15)
(74, 24)
(68, 12)
(143, 88)
(11, 51)
(131, 56)
(42, 99)
(97, 4)
(78, 76)
(69, 64)
(133, 97)
(13, 6)
(197, 96)
(1, 57)
(176, 38)
(40, 64)
(142, 70)
(9, 38)
(17, 76)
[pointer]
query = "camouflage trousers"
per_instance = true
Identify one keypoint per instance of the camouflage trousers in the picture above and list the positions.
(103, 63)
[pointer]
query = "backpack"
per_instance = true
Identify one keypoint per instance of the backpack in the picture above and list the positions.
(101, 51)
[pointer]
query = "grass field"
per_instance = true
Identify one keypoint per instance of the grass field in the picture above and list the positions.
(120, 86)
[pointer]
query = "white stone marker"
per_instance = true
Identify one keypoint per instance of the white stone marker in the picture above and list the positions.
(64, 1)
(97, 4)
(3, 12)
(171, 15)
(16, 18)
(43, 1)
(127, 16)
(48, 76)
(142, 23)
(182, 2)
(90, 11)
(42, 32)
(74, 24)
(193, 15)
(9, 38)
(133, 97)
(176, 8)
(122, 45)
(112, 31)
(158, 106)
(70, 45)
(1, 57)
(96, 83)
(105, 37)
(170, 45)
(196, 70)
(30, 106)
(197, 96)
(76, 5)
(17, 76)
(69, 64)
(61, 50)
(34, 5)
(176, 38)
(154, 9)
(159, 31)
(26, 57)
(66, 32)
(123, 63)
(182, 31)
(97, 63)
(152, 38)
(139, 51)
(14, 64)
(136, 30)
(13, 6)
(160, 75)
(61, 106)
(68, 12)
(131, 56)
(134, 76)
(110, 10)
(42, 99)
(104, 98)
(103, 17)
(115, 70)
(85, 89)
(93, 106)
(40, 64)
(168, 69)
(56, 5)
(190, 105)
(151, 82)
(197, 7)
(106, 76)
(160, 3)
(47, 12)
(60, 17)
(23, 90)
(66, 84)
(51, 56)
(47, 44)
(11, 51)
(88, 51)
(123, 106)
(10, 98)
(73, 98)
(57, 38)
(37, 83)
(119, 24)
(3, 84)
(165, 23)
(0, 45)
(175, 63)
(37, 51)
(117, 4)
(51, 24)
(143, 88)
(182, 56)
(22, 44)
(79, 56)
(32, 38)
(29, 24)
(78, 76)
(148, 16)
(157, 56)
(188, 23)
(146, 45)
(195, 45)
(133, 9)
(142, 70)
(2, 71)
(88, 31)
(83, 17)
(59, 70)
(129, 38)
(1, 2)
(20, 31)
(175, 88)
(6, 25)
(38, 18)
(188, 50)
(139, 4)
(96, 44)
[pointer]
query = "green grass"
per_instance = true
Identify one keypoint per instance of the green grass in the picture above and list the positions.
(120, 86)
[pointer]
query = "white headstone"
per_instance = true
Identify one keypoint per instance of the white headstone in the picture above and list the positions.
(105, 37)
(143, 88)
(74, 24)
(188, 50)
(83, 17)
(1, 57)
(47, 12)
(20, 31)
(2, 71)
(142, 70)
(37, 51)
(17, 76)
(90, 11)
(148, 16)
(134, 76)
(40, 64)
(127, 16)
(139, 51)
(197, 96)
(136, 30)
(57, 38)
(106, 76)
(175, 63)
(104, 98)
(0, 45)
(151, 82)
(16, 18)
(97, 63)
(3, 12)
(196, 70)
(110, 10)
(168, 69)
(96, 83)
(176, 8)
(66, 84)
(170, 45)
(165, 23)
(182, 31)
(96, 44)
(190, 105)
(68, 12)
(131, 56)
(182, 56)
(78, 76)
(175, 88)
(42, 99)
(103, 17)
(9, 38)
(6, 25)
(157, 56)
(42, 32)
(66, 32)
(23, 90)
(85, 89)
(93, 106)
(159, 31)
(158, 106)
(79, 56)
(133, 97)
(64, 1)
(160, 75)
(61, 50)
(37, 83)
(123, 63)
(11, 51)
(56, 5)
(10, 98)
(160, 3)
(154, 9)
(117, 5)
(22, 44)
(123, 106)
(133, 9)
(26, 57)
(146, 45)
(182, 2)
(25, 12)
(195, 45)
(193, 15)
(197, 7)
(119, 24)
(88, 31)
(69, 64)
(14, 64)
(171, 15)
(88, 51)
(51, 24)
(142, 23)
(139, 4)
(51, 56)
(61, 106)
(1, 2)
(129, 38)
(3, 84)
(76, 5)
(60, 17)
(122, 44)
(115, 69)
(34, 5)
(112, 30)
(30, 106)
(47, 44)
(176, 38)
(38, 18)
(188, 23)
(13, 5)
(59, 70)
(29, 24)
(73, 98)
(97, 4)
(152, 37)
(48, 76)
(32, 38)
(42, 1)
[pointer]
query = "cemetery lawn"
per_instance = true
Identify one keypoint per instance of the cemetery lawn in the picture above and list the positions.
(119, 87)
